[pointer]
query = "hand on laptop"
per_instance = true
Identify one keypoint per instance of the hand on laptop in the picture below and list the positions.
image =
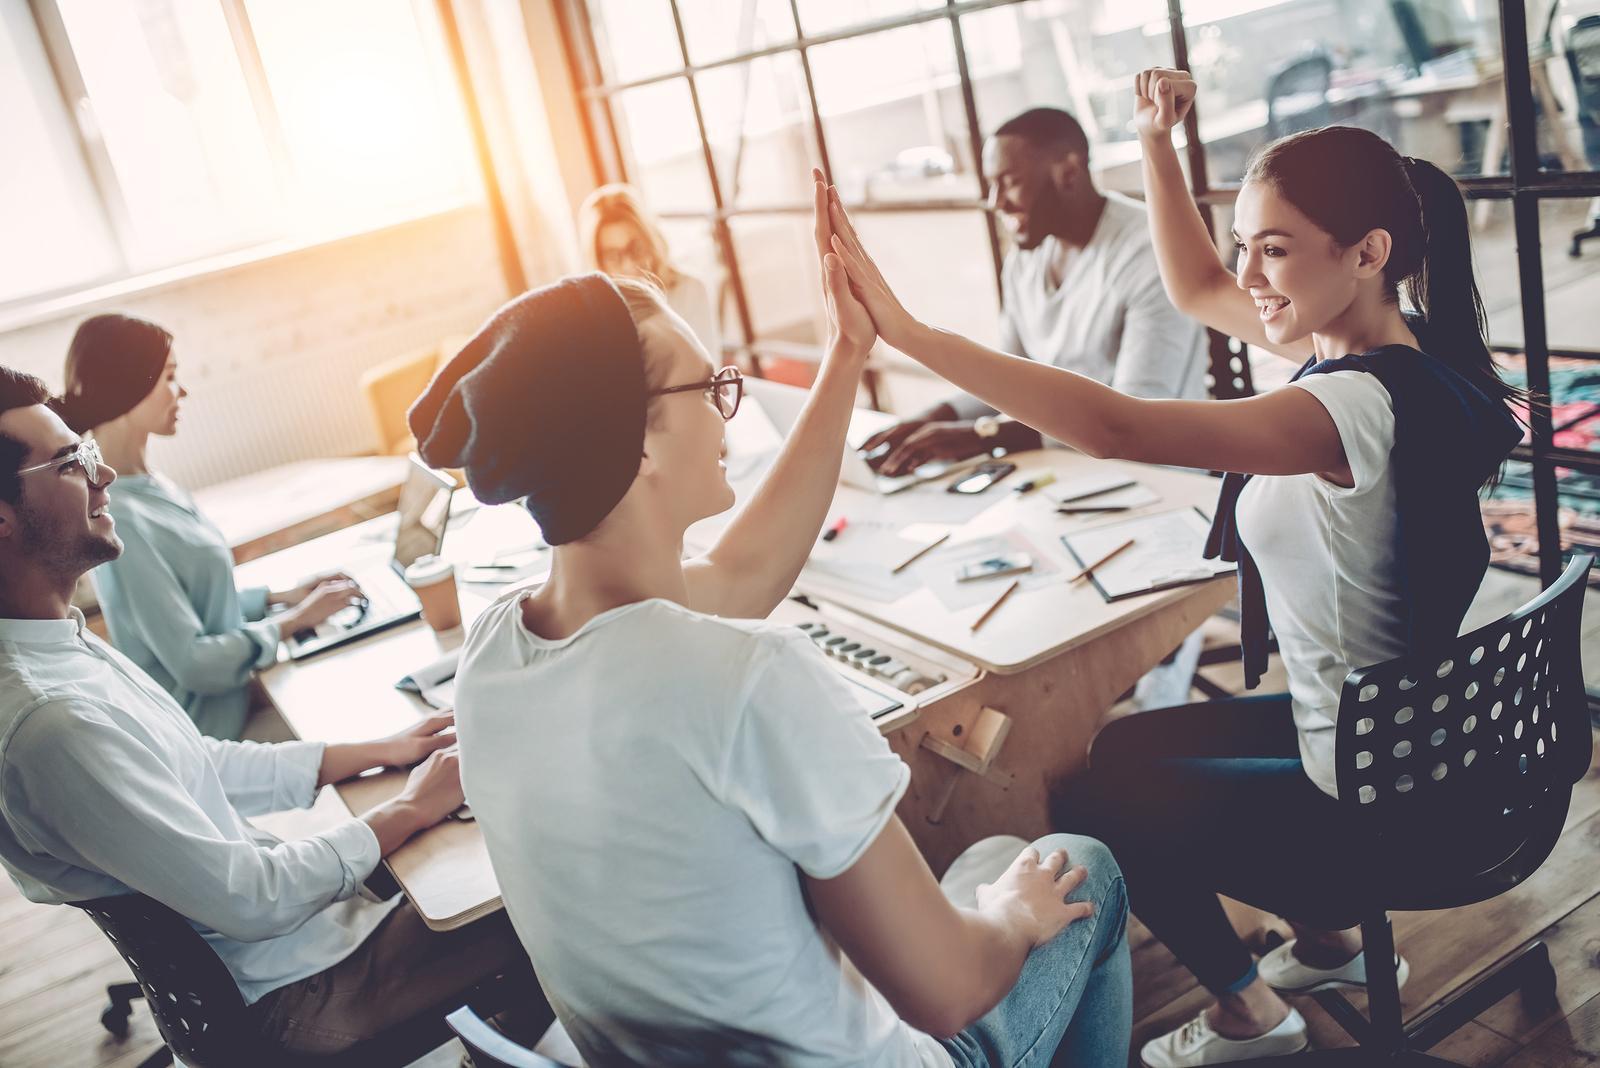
(931, 436)
(323, 600)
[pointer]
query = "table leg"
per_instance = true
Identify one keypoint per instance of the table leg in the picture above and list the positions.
(1053, 709)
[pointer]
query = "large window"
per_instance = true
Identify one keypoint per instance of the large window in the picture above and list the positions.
(152, 132)
(717, 108)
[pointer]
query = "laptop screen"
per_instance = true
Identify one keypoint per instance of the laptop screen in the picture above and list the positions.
(424, 510)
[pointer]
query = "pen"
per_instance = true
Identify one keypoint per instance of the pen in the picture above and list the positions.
(998, 601)
(918, 555)
(836, 529)
(1084, 509)
(1101, 562)
(1035, 482)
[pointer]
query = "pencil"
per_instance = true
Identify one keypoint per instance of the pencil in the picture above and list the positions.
(918, 555)
(998, 601)
(1100, 562)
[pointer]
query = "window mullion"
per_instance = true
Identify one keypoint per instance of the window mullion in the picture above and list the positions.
(724, 233)
(266, 109)
(85, 127)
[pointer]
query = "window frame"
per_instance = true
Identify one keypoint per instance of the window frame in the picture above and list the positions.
(125, 278)
(1526, 186)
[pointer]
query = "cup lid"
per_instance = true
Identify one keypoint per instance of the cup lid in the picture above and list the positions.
(428, 569)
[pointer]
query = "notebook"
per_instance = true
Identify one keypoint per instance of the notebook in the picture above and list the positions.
(1166, 552)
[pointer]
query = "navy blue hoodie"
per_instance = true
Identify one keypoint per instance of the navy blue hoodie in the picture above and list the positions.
(1449, 438)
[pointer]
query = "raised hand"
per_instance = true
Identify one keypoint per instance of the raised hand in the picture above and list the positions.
(1162, 98)
(848, 320)
(893, 322)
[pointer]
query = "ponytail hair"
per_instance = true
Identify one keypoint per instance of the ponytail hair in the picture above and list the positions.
(1350, 181)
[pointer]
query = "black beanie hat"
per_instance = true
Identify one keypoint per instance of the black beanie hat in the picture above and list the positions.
(113, 363)
(547, 402)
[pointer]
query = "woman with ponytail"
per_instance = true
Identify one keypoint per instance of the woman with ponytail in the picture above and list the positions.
(1351, 507)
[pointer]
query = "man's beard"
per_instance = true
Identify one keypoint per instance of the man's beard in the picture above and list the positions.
(74, 552)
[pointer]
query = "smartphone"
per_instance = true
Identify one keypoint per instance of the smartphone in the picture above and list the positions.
(981, 477)
(995, 566)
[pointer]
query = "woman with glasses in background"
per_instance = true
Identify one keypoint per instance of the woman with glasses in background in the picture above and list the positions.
(169, 601)
(620, 237)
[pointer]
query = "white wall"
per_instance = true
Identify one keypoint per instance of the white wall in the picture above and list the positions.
(271, 351)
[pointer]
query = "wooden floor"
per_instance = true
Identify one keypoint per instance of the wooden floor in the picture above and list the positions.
(55, 964)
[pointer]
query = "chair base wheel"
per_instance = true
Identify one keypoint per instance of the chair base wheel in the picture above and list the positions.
(115, 1020)
(1540, 990)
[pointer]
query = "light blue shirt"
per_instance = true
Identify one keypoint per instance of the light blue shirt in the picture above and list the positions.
(106, 787)
(171, 606)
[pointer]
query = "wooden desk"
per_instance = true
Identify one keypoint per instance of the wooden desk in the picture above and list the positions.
(282, 506)
(1052, 661)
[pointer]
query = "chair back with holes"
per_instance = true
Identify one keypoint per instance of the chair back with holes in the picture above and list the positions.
(196, 1003)
(1481, 743)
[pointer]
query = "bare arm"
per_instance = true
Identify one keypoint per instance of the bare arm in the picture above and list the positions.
(942, 967)
(754, 564)
(1280, 433)
(1194, 277)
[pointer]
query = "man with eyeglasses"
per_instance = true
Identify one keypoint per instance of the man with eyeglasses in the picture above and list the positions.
(107, 787)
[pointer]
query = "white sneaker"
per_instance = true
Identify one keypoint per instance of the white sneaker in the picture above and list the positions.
(1195, 1043)
(1288, 974)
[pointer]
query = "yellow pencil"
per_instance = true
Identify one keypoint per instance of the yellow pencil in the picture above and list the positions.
(1100, 562)
(998, 601)
(918, 555)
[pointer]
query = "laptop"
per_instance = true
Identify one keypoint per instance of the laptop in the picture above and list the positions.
(424, 512)
(782, 405)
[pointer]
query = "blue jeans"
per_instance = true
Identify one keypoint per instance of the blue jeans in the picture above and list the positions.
(1073, 1003)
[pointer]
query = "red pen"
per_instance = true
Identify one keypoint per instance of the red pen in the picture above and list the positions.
(836, 529)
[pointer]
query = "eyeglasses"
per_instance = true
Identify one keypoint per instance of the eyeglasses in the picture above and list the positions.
(86, 455)
(726, 388)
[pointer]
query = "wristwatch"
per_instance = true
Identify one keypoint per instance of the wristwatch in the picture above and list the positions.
(986, 426)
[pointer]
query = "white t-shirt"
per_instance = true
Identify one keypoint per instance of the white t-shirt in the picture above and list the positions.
(1101, 310)
(1328, 563)
(650, 790)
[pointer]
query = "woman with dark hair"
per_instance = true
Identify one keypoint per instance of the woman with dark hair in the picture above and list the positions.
(169, 600)
(1352, 511)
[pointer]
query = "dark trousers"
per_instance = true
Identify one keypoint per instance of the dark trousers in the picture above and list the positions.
(1212, 798)
(402, 970)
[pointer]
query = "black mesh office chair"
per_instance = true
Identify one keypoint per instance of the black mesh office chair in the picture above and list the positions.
(198, 1008)
(1297, 94)
(1460, 770)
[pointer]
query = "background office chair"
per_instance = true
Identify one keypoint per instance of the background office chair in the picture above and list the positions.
(198, 1008)
(1297, 94)
(1460, 771)
(1583, 58)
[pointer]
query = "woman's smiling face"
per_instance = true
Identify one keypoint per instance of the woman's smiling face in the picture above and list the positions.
(1298, 275)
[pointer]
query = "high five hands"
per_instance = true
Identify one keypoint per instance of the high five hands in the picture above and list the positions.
(848, 320)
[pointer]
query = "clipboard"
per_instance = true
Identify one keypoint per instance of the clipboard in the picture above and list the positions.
(1166, 553)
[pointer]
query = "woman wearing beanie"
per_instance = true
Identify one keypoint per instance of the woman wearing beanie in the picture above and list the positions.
(691, 819)
(169, 600)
